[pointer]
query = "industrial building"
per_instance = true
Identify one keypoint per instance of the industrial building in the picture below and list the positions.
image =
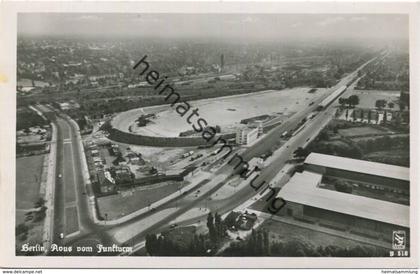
(349, 213)
(370, 174)
(308, 199)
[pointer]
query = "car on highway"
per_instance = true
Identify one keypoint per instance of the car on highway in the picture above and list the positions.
(59, 175)
(173, 225)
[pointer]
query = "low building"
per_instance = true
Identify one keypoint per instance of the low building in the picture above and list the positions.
(122, 175)
(115, 149)
(106, 182)
(98, 160)
(69, 105)
(240, 221)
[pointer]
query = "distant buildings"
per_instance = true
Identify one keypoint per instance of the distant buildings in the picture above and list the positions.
(69, 105)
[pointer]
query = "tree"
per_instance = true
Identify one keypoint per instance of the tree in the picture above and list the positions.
(385, 117)
(404, 100)
(219, 227)
(21, 229)
(391, 105)
(210, 225)
(301, 152)
(266, 243)
(39, 203)
(152, 244)
(353, 100)
(323, 136)
(380, 104)
(342, 101)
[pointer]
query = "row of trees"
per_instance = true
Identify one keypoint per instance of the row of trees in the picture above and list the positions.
(26, 118)
(381, 104)
(195, 245)
(341, 149)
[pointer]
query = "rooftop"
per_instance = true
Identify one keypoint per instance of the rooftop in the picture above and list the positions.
(360, 166)
(302, 189)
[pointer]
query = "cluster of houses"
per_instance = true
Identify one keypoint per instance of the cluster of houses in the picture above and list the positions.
(109, 176)
(371, 116)
(240, 220)
(36, 131)
(33, 141)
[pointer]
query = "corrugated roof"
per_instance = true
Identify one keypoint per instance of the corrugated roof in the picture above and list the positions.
(302, 189)
(366, 167)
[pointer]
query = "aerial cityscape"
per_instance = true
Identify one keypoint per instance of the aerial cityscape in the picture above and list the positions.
(283, 135)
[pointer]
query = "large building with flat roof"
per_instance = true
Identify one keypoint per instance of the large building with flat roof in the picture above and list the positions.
(377, 175)
(359, 215)
(312, 200)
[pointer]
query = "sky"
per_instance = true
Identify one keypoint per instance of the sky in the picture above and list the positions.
(221, 26)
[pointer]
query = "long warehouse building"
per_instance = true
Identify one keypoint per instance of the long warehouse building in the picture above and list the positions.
(371, 174)
(364, 216)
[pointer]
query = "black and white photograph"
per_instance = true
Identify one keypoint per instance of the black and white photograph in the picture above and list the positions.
(206, 134)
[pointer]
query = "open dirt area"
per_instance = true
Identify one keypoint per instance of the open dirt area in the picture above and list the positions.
(227, 112)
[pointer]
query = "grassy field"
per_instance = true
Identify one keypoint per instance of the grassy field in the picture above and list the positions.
(116, 206)
(367, 98)
(359, 131)
(282, 232)
(397, 157)
(28, 177)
